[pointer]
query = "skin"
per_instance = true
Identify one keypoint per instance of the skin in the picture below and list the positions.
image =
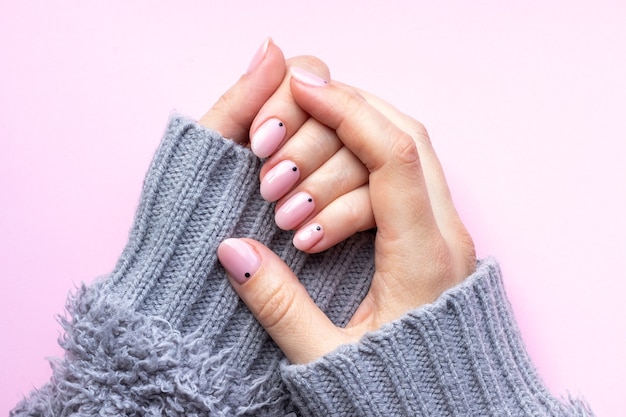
(342, 203)
(232, 115)
(422, 247)
(330, 172)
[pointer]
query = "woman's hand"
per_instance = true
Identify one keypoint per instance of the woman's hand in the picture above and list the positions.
(422, 248)
(319, 186)
(326, 171)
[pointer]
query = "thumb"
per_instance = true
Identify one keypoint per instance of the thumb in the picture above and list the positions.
(278, 300)
(234, 112)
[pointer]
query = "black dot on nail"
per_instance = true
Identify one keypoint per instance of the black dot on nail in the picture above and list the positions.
(247, 274)
(294, 169)
(280, 124)
(318, 228)
(310, 200)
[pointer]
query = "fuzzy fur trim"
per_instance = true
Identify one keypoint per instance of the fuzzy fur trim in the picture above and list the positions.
(120, 362)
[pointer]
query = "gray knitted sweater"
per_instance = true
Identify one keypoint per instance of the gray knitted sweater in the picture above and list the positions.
(164, 333)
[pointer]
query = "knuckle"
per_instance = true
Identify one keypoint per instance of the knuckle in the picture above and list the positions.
(344, 173)
(320, 136)
(403, 150)
(275, 306)
(352, 99)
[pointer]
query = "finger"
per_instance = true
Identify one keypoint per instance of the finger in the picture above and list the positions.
(234, 112)
(278, 301)
(342, 173)
(280, 117)
(433, 172)
(307, 150)
(414, 128)
(444, 210)
(407, 233)
(343, 217)
(399, 196)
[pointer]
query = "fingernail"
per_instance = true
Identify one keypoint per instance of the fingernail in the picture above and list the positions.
(239, 259)
(294, 211)
(306, 77)
(268, 137)
(279, 180)
(259, 56)
(308, 236)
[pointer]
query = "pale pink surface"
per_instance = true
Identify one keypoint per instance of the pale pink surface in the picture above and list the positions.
(525, 104)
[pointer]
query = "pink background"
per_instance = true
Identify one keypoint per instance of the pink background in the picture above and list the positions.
(524, 101)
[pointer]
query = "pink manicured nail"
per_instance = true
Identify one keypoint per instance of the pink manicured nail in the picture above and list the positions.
(306, 77)
(279, 180)
(309, 236)
(259, 56)
(239, 259)
(294, 211)
(268, 137)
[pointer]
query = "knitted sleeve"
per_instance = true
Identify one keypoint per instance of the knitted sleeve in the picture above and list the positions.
(459, 356)
(164, 333)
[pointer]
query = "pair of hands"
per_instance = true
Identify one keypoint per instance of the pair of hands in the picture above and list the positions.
(359, 163)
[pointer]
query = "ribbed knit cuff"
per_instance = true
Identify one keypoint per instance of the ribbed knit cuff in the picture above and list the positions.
(461, 355)
(164, 333)
(200, 189)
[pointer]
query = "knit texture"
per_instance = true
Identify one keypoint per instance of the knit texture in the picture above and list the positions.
(459, 356)
(165, 334)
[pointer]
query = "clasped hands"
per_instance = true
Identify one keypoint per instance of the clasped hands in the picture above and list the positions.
(339, 160)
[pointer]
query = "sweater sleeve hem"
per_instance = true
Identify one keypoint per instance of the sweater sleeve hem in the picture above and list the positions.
(461, 355)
